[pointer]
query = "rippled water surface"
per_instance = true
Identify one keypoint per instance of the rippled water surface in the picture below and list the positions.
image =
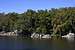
(30, 44)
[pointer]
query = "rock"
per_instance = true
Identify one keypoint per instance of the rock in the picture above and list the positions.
(36, 35)
(47, 36)
(15, 31)
(70, 35)
(32, 35)
(39, 36)
(9, 34)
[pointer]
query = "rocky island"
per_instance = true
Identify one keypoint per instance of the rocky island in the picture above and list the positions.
(39, 24)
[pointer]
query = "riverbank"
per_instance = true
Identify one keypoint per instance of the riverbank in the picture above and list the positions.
(8, 34)
(36, 35)
(48, 36)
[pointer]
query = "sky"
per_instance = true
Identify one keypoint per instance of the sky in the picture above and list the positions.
(21, 6)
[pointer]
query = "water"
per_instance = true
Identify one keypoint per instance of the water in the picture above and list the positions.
(30, 44)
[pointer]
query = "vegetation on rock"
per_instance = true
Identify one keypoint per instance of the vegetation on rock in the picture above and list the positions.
(55, 21)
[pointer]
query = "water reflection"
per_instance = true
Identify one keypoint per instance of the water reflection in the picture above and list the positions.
(70, 39)
(31, 44)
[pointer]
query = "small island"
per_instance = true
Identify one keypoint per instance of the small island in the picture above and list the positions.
(39, 24)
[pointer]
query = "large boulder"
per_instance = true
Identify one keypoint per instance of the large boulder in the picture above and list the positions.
(47, 36)
(35, 35)
(32, 35)
(70, 35)
(39, 36)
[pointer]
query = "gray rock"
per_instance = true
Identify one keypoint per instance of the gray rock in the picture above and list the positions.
(47, 36)
(70, 35)
(36, 35)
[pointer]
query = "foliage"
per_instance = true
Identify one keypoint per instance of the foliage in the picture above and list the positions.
(55, 21)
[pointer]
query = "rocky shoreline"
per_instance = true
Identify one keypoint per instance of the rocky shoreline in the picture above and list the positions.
(14, 33)
(48, 36)
(36, 35)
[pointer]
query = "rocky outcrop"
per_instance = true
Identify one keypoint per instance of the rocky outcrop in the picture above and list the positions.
(9, 33)
(35, 35)
(70, 35)
(40, 36)
(47, 36)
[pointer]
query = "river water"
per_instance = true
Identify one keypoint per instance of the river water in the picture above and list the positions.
(36, 44)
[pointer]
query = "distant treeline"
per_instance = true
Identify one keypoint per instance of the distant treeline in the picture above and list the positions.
(55, 21)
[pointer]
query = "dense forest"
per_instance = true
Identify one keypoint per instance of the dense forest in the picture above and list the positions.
(54, 21)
